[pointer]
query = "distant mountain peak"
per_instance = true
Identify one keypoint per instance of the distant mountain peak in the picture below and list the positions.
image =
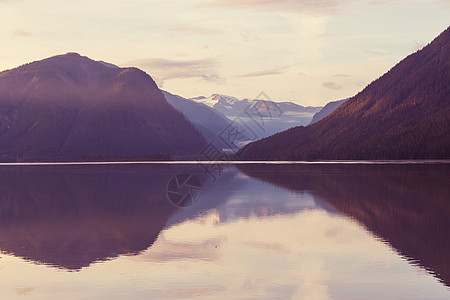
(70, 61)
(71, 54)
(327, 109)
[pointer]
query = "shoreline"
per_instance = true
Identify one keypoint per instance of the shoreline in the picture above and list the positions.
(191, 162)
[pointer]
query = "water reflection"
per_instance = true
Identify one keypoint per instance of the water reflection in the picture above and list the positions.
(282, 219)
(72, 216)
(405, 205)
(237, 196)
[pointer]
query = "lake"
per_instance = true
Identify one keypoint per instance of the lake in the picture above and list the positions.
(248, 231)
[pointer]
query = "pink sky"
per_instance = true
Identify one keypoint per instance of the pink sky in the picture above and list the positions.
(309, 52)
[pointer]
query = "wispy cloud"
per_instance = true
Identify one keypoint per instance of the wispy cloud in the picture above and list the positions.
(342, 75)
(21, 32)
(266, 72)
(23, 291)
(381, 2)
(188, 29)
(443, 2)
(391, 2)
(331, 85)
(164, 69)
(378, 52)
(418, 46)
(297, 6)
(9, 1)
(169, 250)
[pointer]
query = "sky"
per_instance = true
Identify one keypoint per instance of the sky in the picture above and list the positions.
(306, 51)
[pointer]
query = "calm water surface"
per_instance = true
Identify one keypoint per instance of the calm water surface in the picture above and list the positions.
(331, 231)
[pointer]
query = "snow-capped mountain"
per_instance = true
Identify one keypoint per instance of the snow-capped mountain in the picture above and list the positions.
(259, 118)
(214, 99)
(232, 107)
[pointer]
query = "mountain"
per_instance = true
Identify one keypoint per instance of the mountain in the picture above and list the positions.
(207, 120)
(326, 110)
(234, 107)
(405, 114)
(258, 118)
(69, 107)
(214, 99)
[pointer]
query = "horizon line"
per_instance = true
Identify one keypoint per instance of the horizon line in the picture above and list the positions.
(190, 162)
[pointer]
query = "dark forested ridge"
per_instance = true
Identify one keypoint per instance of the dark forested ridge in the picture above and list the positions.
(405, 114)
(70, 107)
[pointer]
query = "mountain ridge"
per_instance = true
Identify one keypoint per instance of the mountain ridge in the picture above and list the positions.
(221, 100)
(404, 114)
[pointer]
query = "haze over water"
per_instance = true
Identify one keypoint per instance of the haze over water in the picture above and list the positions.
(255, 231)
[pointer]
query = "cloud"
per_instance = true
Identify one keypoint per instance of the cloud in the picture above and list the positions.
(168, 250)
(408, 2)
(194, 30)
(8, 1)
(418, 46)
(297, 6)
(188, 292)
(265, 72)
(164, 69)
(381, 2)
(378, 52)
(331, 85)
(390, 2)
(342, 75)
(21, 32)
(23, 291)
(445, 3)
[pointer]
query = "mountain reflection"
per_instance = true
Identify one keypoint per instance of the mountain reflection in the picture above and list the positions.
(72, 216)
(405, 205)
